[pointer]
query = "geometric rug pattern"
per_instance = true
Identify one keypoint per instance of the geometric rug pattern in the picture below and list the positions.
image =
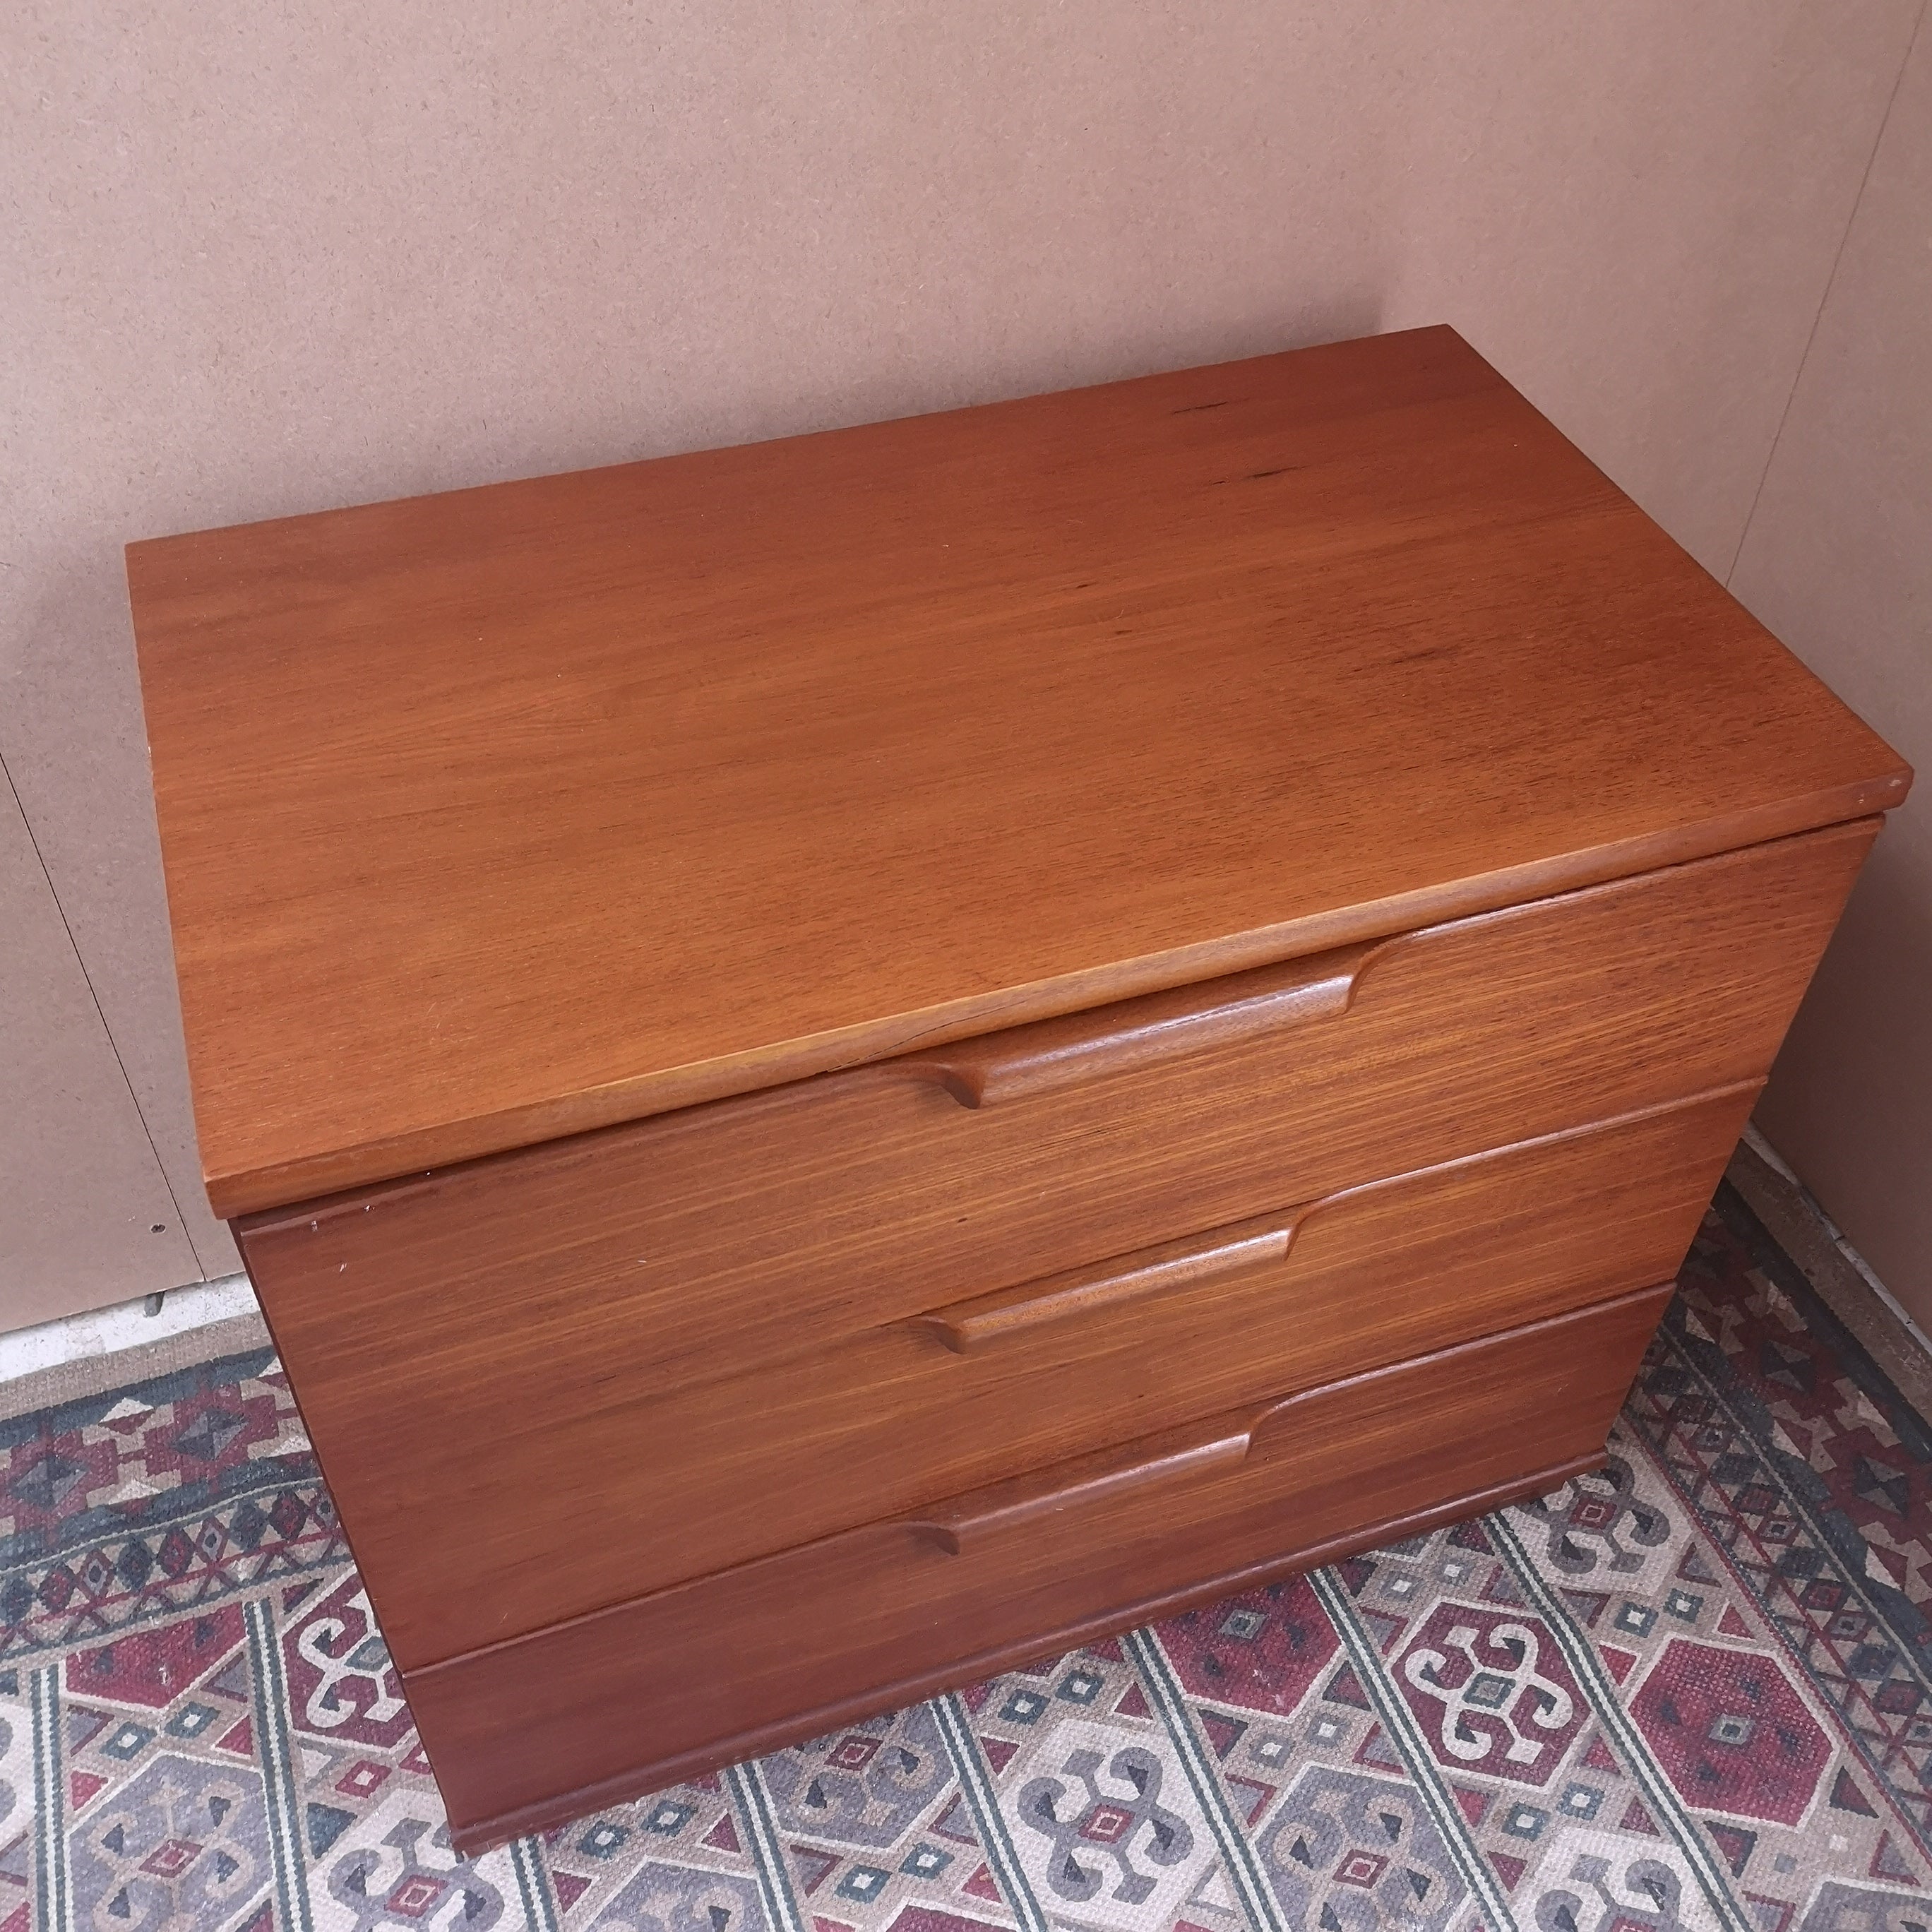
(1692, 1690)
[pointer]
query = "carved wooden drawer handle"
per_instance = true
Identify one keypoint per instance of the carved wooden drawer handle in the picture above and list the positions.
(1130, 1034)
(967, 1327)
(955, 1526)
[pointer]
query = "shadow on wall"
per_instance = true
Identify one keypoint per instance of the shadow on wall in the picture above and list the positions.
(1865, 1029)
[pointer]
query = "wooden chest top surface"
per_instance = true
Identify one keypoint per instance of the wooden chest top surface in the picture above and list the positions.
(496, 815)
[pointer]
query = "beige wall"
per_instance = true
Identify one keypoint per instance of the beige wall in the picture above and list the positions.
(265, 259)
(1838, 560)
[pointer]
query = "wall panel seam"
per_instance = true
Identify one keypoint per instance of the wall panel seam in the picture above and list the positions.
(113, 1045)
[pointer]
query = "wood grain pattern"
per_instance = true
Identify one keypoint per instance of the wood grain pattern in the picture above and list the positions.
(457, 1554)
(503, 1332)
(498, 815)
(625, 1701)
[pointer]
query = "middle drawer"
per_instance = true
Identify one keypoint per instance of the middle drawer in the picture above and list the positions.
(638, 1495)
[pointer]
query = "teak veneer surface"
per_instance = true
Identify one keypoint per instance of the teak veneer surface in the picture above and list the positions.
(555, 1322)
(649, 1692)
(498, 815)
(444, 1518)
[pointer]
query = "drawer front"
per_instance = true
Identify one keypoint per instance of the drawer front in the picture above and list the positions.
(652, 1691)
(868, 1426)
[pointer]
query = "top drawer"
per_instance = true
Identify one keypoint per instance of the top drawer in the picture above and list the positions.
(697, 1243)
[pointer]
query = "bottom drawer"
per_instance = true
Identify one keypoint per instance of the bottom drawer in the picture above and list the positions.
(530, 1732)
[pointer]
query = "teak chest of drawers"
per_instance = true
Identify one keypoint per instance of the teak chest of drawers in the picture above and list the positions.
(843, 1062)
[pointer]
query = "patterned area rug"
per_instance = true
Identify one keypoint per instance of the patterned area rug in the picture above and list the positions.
(1691, 1691)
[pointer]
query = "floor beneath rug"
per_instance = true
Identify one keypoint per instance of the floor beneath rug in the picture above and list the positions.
(1693, 1691)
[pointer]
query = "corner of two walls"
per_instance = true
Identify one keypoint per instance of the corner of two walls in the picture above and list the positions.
(1836, 559)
